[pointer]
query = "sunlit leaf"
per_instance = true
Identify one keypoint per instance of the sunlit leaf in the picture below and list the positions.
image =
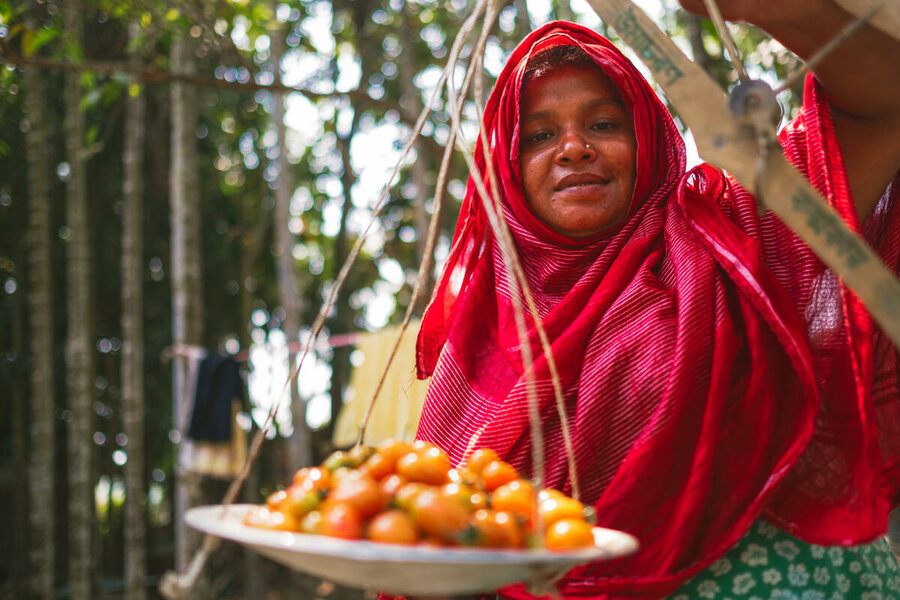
(34, 42)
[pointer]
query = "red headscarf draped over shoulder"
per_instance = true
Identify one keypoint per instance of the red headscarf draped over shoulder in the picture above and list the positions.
(691, 386)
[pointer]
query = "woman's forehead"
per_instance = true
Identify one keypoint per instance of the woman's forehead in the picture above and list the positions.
(588, 83)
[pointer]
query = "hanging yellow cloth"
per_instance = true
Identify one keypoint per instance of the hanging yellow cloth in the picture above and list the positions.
(399, 404)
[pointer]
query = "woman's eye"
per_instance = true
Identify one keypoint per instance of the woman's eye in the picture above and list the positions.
(540, 136)
(602, 125)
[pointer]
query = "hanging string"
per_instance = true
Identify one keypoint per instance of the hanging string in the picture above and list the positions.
(725, 36)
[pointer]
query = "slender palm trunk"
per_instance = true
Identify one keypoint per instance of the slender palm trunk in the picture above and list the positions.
(299, 445)
(187, 325)
(79, 346)
(41, 525)
(133, 342)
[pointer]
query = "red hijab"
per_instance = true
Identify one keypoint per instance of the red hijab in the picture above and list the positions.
(703, 385)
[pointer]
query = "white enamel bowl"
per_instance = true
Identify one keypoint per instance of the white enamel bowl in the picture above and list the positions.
(407, 570)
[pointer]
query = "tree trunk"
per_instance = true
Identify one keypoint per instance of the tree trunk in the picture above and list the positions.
(41, 523)
(79, 347)
(186, 278)
(299, 444)
(133, 340)
(343, 321)
(255, 581)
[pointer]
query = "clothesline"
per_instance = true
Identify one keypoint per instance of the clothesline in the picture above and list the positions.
(194, 351)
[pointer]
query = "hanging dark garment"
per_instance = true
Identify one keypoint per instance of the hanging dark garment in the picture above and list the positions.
(219, 383)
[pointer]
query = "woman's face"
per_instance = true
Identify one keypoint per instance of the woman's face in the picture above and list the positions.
(576, 150)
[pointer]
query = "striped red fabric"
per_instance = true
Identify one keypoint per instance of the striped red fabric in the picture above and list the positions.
(713, 370)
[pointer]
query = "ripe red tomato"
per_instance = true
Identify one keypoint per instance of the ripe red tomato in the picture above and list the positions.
(359, 491)
(341, 520)
(393, 527)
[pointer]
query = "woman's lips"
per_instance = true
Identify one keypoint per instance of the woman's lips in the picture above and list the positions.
(577, 180)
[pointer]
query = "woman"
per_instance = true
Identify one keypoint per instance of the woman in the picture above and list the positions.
(727, 396)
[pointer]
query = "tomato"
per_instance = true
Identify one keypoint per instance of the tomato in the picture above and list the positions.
(257, 516)
(554, 508)
(390, 485)
(485, 531)
(313, 478)
(513, 535)
(393, 527)
(359, 491)
(440, 516)
(480, 459)
(407, 493)
(567, 534)
(466, 496)
(497, 473)
(337, 460)
(312, 522)
(377, 467)
(517, 497)
(276, 499)
(265, 518)
(282, 521)
(300, 500)
(393, 450)
(357, 455)
(341, 520)
(429, 465)
(547, 493)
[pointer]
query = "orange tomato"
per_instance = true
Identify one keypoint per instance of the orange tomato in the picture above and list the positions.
(393, 450)
(429, 465)
(497, 473)
(341, 520)
(282, 521)
(567, 534)
(276, 500)
(257, 516)
(312, 522)
(517, 497)
(313, 478)
(392, 527)
(377, 466)
(276, 520)
(555, 508)
(390, 485)
(406, 494)
(514, 537)
(359, 491)
(466, 496)
(485, 531)
(439, 516)
(480, 459)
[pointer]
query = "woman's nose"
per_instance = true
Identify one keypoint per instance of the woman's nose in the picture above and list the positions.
(575, 148)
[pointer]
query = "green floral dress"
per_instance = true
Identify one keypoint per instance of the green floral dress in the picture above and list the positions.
(768, 564)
